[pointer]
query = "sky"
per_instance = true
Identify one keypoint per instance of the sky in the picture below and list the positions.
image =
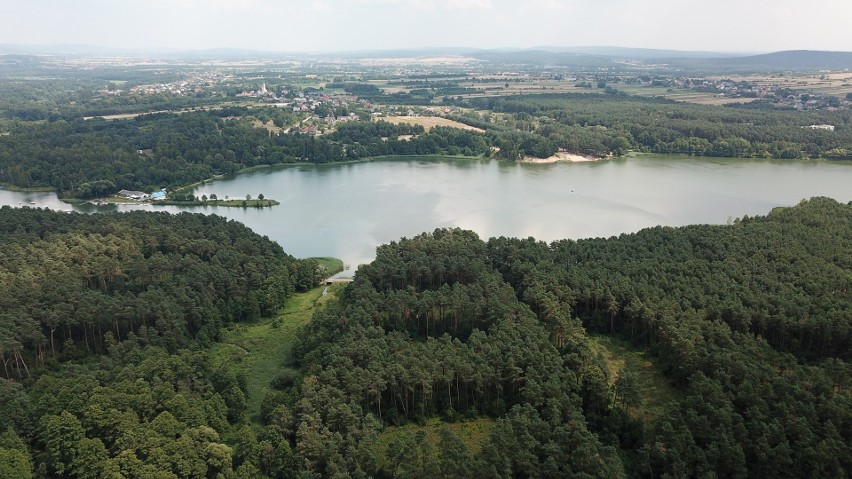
(349, 25)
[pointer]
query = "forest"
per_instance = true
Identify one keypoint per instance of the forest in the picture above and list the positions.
(104, 324)
(58, 99)
(95, 158)
(75, 283)
(600, 124)
(747, 323)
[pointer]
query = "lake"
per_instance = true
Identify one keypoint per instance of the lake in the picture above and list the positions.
(347, 210)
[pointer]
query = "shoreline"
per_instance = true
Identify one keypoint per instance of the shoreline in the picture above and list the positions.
(253, 203)
(26, 189)
(561, 157)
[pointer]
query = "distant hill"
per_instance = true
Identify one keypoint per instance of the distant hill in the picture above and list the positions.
(797, 59)
(786, 60)
(636, 53)
(599, 57)
(608, 57)
(544, 56)
(231, 54)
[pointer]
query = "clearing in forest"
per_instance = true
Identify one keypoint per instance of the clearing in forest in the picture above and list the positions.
(430, 122)
(472, 433)
(262, 350)
(656, 392)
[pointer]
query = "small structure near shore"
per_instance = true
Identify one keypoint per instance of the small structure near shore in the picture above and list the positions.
(133, 195)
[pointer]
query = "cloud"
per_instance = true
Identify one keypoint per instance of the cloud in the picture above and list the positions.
(428, 5)
(293, 24)
(320, 6)
(553, 5)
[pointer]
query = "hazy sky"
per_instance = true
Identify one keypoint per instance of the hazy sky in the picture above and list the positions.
(341, 25)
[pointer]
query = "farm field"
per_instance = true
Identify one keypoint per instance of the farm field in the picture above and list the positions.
(686, 96)
(429, 122)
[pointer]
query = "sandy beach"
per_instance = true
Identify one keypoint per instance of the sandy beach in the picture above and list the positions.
(558, 157)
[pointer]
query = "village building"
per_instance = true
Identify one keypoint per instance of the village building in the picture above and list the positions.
(133, 195)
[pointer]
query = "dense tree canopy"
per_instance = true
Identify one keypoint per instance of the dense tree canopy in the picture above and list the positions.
(73, 281)
(601, 124)
(748, 323)
(94, 158)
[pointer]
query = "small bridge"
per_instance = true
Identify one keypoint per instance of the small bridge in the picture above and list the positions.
(333, 280)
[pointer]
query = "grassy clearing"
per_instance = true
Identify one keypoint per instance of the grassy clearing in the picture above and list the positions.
(472, 434)
(333, 265)
(429, 122)
(269, 126)
(656, 391)
(261, 350)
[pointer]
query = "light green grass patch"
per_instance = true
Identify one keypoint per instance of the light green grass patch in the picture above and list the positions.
(332, 265)
(656, 392)
(262, 350)
(471, 433)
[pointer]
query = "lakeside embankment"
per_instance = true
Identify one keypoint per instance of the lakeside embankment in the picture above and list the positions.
(562, 157)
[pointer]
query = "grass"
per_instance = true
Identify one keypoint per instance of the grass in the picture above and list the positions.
(657, 393)
(332, 265)
(471, 433)
(262, 350)
(429, 122)
(269, 126)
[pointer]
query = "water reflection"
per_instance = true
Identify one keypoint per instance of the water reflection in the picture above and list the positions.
(347, 210)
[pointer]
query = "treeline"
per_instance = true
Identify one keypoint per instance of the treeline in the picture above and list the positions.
(368, 139)
(429, 328)
(600, 124)
(140, 412)
(59, 99)
(103, 322)
(87, 159)
(72, 282)
(749, 322)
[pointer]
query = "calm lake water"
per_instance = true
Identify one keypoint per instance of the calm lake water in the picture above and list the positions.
(345, 211)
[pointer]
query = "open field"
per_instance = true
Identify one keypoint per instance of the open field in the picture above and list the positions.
(332, 265)
(269, 126)
(836, 84)
(429, 122)
(656, 391)
(719, 100)
(686, 96)
(261, 351)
